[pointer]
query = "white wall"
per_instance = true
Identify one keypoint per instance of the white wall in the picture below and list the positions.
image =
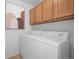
(12, 36)
(60, 26)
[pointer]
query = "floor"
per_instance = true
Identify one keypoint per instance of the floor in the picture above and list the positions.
(15, 57)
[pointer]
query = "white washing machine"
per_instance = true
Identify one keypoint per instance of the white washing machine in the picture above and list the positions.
(47, 45)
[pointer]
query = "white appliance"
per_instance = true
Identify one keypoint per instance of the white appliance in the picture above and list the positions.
(44, 45)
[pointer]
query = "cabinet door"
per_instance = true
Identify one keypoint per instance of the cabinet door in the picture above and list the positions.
(32, 16)
(63, 8)
(69, 7)
(60, 8)
(38, 13)
(48, 10)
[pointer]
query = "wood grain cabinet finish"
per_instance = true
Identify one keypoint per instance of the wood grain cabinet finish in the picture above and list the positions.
(32, 16)
(38, 13)
(69, 7)
(48, 9)
(52, 10)
(63, 8)
(60, 8)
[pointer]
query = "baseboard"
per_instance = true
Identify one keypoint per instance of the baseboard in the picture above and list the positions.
(11, 55)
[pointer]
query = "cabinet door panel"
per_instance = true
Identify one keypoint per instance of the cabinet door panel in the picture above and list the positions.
(60, 8)
(69, 7)
(32, 16)
(38, 13)
(55, 9)
(48, 10)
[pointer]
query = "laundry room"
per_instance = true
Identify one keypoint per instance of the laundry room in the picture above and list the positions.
(39, 29)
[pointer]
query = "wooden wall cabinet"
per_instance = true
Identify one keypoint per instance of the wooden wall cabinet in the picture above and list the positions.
(52, 10)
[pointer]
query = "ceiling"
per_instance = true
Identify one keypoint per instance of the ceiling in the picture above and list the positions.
(32, 2)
